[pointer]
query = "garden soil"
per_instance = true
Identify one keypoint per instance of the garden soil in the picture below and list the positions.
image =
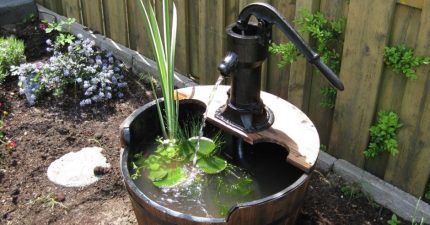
(53, 128)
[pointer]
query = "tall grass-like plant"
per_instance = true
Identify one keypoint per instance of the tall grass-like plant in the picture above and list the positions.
(164, 48)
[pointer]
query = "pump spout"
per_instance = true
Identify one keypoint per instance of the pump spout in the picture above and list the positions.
(269, 15)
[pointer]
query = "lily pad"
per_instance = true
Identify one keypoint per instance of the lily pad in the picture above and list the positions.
(174, 177)
(207, 146)
(157, 175)
(212, 165)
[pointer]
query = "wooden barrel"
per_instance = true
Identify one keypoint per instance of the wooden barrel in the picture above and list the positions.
(276, 209)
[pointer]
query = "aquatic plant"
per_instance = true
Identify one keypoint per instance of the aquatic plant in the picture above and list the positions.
(93, 75)
(164, 50)
(11, 53)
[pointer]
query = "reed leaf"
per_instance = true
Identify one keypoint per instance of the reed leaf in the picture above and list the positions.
(164, 50)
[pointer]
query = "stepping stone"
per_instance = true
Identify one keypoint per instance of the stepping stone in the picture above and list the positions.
(76, 169)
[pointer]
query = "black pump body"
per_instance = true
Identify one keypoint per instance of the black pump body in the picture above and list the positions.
(247, 49)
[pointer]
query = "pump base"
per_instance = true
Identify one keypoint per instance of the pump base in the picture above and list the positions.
(245, 121)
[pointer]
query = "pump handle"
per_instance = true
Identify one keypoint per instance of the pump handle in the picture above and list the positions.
(267, 13)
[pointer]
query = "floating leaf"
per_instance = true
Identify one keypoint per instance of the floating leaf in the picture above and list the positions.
(206, 147)
(157, 175)
(212, 165)
(173, 178)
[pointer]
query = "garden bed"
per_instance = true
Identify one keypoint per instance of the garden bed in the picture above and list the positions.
(51, 128)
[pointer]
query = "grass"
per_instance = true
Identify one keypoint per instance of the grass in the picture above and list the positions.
(11, 54)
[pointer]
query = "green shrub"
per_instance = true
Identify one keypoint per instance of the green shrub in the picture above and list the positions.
(383, 135)
(402, 59)
(11, 53)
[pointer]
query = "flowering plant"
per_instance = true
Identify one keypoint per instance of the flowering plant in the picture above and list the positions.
(95, 76)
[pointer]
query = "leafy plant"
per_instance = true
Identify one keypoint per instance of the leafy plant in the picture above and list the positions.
(11, 53)
(94, 76)
(329, 100)
(47, 201)
(327, 35)
(402, 60)
(393, 220)
(351, 191)
(383, 135)
(62, 26)
(164, 48)
(288, 53)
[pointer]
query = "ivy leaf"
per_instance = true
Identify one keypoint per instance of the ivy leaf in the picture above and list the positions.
(212, 165)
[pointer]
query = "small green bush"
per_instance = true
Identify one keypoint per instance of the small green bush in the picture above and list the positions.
(11, 53)
(402, 59)
(383, 135)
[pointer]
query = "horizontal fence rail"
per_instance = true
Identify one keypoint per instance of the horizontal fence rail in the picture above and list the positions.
(370, 86)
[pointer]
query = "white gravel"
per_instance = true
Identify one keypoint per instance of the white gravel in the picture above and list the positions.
(76, 169)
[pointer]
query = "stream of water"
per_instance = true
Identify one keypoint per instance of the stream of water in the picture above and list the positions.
(205, 116)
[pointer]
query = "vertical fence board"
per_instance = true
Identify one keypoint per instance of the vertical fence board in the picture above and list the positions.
(366, 36)
(72, 9)
(181, 58)
(277, 78)
(116, 20)
(137, 30)
(93, 15)
(320, 116)
(214, 41)
(410, 168)
(393, 85)
(301, 70)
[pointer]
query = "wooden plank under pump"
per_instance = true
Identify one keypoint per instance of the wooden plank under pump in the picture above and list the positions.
(93, 15)
(72, 9)
(115, 16)
(392, 86)
(301, 70)
(278, 78)
(291, 129)
(410, 169)
(323, 116)
(366, 35)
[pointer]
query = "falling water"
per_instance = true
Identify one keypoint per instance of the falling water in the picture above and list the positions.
(205, 115)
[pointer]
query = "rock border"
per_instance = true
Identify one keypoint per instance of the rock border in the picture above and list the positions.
(401, 203)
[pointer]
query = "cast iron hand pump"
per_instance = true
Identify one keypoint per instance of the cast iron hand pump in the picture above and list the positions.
(247, 46)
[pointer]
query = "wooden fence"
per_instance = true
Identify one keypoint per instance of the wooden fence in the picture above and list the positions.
(369, 86)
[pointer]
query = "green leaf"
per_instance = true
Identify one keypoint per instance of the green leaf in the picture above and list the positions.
(173, 178)
(206, 147)
(157, 175)
(212, 165)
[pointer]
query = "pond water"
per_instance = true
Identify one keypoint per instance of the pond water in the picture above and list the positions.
(254, 172)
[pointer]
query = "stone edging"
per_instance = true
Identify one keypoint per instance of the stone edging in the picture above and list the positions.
(401, 203)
